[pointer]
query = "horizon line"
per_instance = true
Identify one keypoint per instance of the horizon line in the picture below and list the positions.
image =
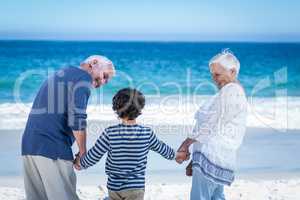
(146, 40)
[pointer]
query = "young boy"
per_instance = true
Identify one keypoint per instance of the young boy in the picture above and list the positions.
(127, 145)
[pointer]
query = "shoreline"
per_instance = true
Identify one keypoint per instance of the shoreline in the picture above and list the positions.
(240, 190)
(92, 179)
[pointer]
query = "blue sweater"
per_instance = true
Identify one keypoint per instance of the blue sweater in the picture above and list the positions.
(127, 147)
(58, 109)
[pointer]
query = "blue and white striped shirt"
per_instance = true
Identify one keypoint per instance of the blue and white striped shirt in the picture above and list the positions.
(127, 147)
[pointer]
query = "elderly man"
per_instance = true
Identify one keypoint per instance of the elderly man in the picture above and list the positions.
(218, 133)
(57, 119)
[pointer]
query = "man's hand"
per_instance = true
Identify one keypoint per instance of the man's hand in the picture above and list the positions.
(189, 169)
(76, 162)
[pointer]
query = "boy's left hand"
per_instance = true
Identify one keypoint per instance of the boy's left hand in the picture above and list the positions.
(182, 156)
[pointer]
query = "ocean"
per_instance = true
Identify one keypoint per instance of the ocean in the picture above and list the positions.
(175, 79)
(152, 64)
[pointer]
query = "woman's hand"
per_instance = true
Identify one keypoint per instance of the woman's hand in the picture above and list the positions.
(189, 169)
(183, 153)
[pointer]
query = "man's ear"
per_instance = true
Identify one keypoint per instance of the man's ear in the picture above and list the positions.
(233, 72)
(95, 62)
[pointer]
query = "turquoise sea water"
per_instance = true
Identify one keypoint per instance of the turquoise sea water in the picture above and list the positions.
(151, 66)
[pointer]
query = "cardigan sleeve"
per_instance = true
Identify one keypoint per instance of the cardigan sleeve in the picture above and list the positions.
(233, 115)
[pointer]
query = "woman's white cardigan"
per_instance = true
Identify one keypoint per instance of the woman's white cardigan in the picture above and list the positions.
(219, 131)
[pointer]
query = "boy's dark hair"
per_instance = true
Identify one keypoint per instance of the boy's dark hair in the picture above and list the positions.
(128, 103)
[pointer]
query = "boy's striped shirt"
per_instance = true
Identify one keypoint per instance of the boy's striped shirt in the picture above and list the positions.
(127, 147)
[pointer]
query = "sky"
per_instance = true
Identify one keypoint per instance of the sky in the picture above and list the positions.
(186, 20)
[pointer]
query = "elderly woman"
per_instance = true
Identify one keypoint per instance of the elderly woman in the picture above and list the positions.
(218, 133)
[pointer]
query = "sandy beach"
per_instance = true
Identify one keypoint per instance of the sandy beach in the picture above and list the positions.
(258, 178)
(240, 190)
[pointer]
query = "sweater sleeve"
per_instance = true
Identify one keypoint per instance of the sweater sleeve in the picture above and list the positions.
(78, 100)
(96, 152)
(160, 147)
(233, 115)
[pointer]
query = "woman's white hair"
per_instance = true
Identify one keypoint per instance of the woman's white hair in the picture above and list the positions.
(227, 60)
(102, 62)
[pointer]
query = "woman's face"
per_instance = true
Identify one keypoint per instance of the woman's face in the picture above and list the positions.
(220, 75)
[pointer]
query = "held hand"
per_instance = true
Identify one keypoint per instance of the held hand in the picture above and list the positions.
(183, 153)
(76, 162)
(81, 152)
(182, 156)
(183, 148)
(185, 145)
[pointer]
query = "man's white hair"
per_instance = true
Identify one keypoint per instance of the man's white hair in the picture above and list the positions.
(227, 60)
(102, 62)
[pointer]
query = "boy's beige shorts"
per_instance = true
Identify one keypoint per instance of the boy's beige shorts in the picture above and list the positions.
(134, 194)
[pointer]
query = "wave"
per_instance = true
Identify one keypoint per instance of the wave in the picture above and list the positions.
(280, 113)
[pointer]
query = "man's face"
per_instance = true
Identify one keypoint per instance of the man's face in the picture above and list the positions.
(220, 75)
(102, 76)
